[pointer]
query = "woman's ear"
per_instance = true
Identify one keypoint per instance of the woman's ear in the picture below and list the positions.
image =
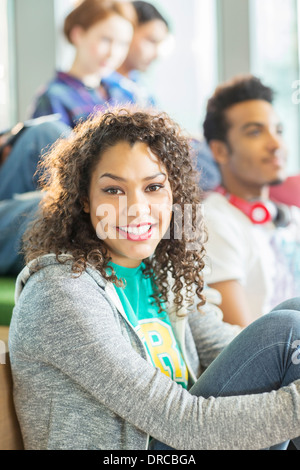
(76, 34)
(86, 205)
(220, 151)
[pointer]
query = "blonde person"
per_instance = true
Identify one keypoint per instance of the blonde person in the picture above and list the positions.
(101, 32)
(111, 330)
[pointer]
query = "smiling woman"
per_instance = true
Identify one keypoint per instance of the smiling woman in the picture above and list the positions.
(138, 204)
(110, 334)
(125, 173)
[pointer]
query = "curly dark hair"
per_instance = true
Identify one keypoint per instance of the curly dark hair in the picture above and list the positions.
(63, 226)
(239, 89)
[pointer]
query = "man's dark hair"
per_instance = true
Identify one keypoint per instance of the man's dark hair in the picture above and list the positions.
(147, 12)
(237, 90)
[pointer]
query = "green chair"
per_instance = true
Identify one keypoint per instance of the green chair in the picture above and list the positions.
(7, 291)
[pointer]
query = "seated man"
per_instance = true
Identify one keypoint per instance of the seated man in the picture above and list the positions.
(125, 85)
(253, 247)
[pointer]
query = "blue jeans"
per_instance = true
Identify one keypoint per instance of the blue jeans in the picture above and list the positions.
(18, 172)
(263, 357)
(15, 215)
(18, 175)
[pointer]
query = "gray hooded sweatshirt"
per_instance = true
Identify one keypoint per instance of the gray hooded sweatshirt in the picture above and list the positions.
(82, 380)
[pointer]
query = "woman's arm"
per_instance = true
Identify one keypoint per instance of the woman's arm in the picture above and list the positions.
(70, 325)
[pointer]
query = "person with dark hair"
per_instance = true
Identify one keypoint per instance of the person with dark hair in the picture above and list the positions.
(238, 90)
(253, 248)
(147, 12)
(111, 329)
(101, 32)
(125, 85)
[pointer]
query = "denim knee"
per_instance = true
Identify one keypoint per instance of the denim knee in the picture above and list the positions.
(290, 304)
(283, 323)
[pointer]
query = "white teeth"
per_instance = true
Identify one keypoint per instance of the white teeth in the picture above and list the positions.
(136, 230)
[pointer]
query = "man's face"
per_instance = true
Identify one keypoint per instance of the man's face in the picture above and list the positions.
(256, 151)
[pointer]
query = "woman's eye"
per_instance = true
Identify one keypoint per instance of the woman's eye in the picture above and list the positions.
(154, 187)
(113, 191)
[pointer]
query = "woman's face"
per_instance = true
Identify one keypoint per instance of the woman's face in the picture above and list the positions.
(146, 44)
(104, 46)
(130, 202)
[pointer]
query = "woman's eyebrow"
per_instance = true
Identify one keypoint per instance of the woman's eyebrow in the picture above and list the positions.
(154, 176)
(119, 178)
(114, 177)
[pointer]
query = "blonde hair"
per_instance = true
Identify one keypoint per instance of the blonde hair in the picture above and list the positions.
(89, 12)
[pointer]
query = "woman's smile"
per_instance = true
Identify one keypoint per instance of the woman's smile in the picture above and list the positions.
(136, 232)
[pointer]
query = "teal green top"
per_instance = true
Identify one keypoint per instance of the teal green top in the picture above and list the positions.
(153, 328)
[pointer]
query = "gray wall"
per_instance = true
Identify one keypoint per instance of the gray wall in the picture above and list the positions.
(35, 49)
(233, 38)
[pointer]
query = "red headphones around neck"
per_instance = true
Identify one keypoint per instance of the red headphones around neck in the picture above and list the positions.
(257, 211)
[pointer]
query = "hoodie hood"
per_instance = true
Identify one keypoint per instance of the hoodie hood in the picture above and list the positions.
(50, 260)
(212, 296)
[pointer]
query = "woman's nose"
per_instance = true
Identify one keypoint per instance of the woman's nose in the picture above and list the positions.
(137, 204)
(138, 210)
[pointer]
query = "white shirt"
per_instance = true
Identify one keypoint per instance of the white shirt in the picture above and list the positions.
(265, 259)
